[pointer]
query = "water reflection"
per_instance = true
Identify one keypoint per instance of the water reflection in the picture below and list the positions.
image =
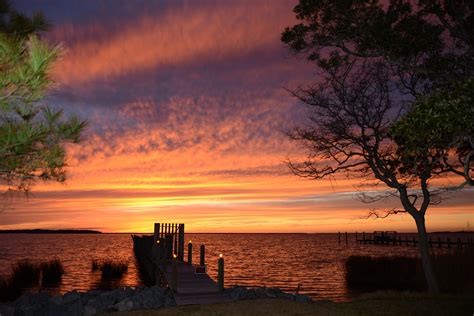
(313, 261)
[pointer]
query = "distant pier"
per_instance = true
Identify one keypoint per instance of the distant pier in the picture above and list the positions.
(395, 239)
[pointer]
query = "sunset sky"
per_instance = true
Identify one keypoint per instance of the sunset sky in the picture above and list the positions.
(187, 112)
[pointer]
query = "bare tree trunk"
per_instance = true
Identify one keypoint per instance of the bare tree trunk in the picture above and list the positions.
(425, 255)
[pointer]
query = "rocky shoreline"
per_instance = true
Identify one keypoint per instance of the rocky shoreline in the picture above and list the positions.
(123, 299)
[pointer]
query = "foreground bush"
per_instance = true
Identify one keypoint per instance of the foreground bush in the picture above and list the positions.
(52, 272)
(113, 270)
(25, 273)
(110, 270)
(453, 271)
(95, 265)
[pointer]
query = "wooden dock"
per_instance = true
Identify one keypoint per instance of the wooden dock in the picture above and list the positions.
(161, 258)
(194, 288)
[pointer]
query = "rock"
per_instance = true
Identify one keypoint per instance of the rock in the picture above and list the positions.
(75, 309)
(238, 293)
(6, 310)
(125, 305)
(57, 299)
(274, 291)
(71, 297)
(55, 310)
(90, 310)
(303, 298)
(169, 301)
(261, 292)
(31, 304)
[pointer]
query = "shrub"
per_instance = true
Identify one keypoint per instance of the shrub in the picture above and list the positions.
(453, 271)
(52, 272)
(113, 270)
(25, 273)
(8, 290)
(95, 265)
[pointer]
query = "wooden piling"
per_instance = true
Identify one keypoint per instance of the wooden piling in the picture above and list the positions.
(174, 275)
(169, 246)
(190, 252)
(339, 235)
(449, 242)
(202, 254)
(156, 240)
(220, 273)
(181, 242)
(346, 239)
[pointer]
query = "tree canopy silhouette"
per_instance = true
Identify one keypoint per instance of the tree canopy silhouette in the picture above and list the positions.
(378, 106)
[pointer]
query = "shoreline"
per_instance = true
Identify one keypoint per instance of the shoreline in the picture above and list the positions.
(159, 301)
(123, 300)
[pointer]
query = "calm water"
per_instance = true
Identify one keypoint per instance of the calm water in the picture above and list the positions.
(316, 261)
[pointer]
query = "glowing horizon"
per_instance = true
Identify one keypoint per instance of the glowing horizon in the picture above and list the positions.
(187, 113)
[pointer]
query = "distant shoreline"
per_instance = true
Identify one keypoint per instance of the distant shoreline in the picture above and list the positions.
(49, 231)
(89, 231)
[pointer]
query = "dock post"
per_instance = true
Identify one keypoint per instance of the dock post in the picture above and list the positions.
(190, 252)
(181, 242)
(346, 239)
(356, 237)
(174, 275)
(363, 236)
(339, 235)
(449, 242)
(202, 262)
(220, 272)
(439, 242)
(156, 240)
(168, 247)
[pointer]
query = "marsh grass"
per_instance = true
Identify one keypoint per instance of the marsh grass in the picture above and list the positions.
(454, 271)
(113, 270)
(8, 292)
(110, 270)
(24, 274)
(95, 265)
(51, 272)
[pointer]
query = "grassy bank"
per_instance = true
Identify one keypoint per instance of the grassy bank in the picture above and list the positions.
(453, 270)
(375, 304)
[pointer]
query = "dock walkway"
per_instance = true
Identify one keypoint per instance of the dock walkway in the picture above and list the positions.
(194, 288)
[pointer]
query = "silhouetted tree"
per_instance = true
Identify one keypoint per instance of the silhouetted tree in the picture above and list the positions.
(32, 135)
(374, 60)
